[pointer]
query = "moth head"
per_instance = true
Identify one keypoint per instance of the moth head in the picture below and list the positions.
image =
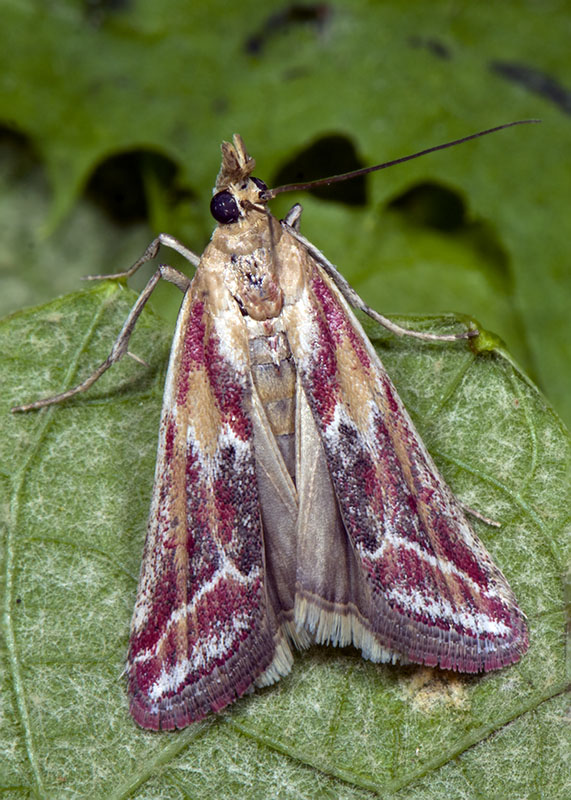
(235, 188)
(232, 203)
(236, 191)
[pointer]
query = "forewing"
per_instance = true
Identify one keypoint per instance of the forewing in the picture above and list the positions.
(200, 635)
(425, 587)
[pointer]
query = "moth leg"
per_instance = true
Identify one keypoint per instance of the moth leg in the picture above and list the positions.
(121, 343)
(427, 337)
(293, 217)
(473, 513)
(162, 239)
(354, 300)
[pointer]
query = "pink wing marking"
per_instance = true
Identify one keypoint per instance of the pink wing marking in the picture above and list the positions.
(200, 635)
(436, 596)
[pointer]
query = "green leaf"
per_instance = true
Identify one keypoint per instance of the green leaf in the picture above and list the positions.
(76, 484)
(84, 82)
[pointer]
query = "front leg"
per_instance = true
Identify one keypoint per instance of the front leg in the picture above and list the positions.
(121, 343)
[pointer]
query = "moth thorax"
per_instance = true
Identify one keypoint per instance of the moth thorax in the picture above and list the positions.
(274, 376)
(251, 280)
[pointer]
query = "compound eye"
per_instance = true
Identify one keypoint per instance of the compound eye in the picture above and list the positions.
(260, 184)
(224, 208)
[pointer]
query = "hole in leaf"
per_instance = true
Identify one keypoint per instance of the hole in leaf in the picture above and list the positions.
(434, 46)
(536, 81)
(119, 184)
(330, 155)
(97, 11)
(314, 14)
(431, 205)
(18, 153)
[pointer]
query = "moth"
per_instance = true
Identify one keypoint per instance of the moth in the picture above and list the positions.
(294, 501)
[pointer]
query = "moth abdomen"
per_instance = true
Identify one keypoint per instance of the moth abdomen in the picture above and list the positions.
(274, 377)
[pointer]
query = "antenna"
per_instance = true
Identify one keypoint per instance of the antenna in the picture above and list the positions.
(346, 176)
